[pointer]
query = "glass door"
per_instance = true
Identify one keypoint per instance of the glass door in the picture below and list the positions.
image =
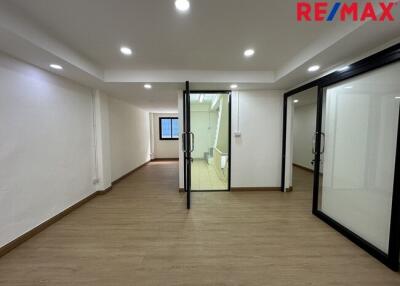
(187, 141)
(206, 141)
(355, 154)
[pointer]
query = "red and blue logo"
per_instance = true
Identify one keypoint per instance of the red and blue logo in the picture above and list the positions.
(342, 11)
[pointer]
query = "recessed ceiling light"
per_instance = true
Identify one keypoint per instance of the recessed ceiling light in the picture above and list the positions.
(248, 53)
(345, 68)
(348, 87)
(296, 100)
(126, 51)
(313, 68)
(182, 5)
(233, 86)
(147, 86)
(56, 66)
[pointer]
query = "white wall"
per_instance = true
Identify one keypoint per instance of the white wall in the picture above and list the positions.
(102, 141)
(129, 137)
(303, 131)
(163, 148)
(46, 146)
(256, 155)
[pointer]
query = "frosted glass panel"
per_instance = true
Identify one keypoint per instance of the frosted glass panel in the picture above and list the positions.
(360, 118)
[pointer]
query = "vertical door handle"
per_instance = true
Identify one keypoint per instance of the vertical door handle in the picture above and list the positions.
(322, 143)
(191, 142)
(183, 142)
(313, 143)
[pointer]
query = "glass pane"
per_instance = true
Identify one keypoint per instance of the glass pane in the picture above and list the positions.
(175, 128)
(209, 122)
(300, 129)
(166, 128)
(360, 119)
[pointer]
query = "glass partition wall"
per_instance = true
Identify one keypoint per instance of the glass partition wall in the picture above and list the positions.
(356, 181)
(357, 153)
(357, 156)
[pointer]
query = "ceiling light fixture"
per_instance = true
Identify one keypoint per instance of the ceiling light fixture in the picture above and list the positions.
(296, 101)
(182, 5)
(248, 53)
(313, 68)
(345, 68)
(147, 86)
(56, 66)
(233, 86)
(126, 51)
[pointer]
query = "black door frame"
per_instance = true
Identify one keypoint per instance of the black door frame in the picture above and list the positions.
(186, 144)
(229, 93)
(375, 61)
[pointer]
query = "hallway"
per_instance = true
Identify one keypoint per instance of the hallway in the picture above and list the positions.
(140, 233)
(302, 179)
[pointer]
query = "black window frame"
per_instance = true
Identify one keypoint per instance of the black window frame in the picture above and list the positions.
(160, 129)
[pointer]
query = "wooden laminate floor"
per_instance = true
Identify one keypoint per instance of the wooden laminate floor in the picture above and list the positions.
(141, 234)
(302, 179)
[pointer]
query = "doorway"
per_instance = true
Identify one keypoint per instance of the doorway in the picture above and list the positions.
(210, 115)
(302, 111)
(207, 141)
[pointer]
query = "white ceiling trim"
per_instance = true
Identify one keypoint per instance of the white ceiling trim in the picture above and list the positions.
(34, 44)
(22, 28)
(178, 76)
(26, 40)
(317, 47)
(323, 43)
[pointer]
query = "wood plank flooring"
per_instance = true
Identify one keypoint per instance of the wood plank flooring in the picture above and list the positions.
(302, 179)
(141, 234)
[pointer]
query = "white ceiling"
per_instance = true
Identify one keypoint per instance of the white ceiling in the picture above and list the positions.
(204, 46)
(212, 36)
(381, 82)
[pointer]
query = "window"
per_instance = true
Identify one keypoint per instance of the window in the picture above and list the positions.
(169, 128)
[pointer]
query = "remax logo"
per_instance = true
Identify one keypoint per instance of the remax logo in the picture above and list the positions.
(324, 11)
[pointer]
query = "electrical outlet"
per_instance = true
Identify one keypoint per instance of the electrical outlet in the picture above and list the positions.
(237, 134)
